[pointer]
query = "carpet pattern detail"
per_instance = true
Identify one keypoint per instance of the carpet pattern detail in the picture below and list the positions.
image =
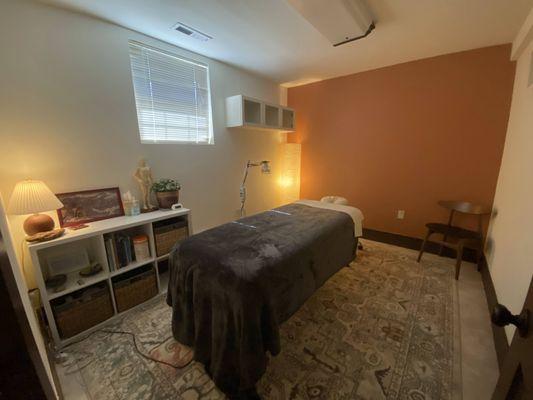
(384, 328)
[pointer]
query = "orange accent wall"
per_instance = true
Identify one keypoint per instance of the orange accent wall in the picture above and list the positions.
(405, 136)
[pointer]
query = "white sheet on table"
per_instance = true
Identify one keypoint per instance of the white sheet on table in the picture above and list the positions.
(353, 212)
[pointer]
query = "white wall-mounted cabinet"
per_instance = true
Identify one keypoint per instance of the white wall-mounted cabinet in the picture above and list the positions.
(247, 112)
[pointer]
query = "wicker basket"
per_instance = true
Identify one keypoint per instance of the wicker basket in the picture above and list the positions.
(166, 236)
(135, 290)
(77, 315)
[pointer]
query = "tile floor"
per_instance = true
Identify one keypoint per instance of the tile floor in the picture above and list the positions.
(479, 362)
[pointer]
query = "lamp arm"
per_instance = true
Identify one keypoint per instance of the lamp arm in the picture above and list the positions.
(242, 191)
(245, 175)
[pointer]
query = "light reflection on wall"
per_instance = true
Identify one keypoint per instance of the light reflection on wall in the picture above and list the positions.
(289, 180)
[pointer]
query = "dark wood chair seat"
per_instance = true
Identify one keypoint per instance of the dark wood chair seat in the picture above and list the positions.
(461, 237)
(453, 231)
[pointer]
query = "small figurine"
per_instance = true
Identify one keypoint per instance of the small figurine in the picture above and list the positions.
(143, 176)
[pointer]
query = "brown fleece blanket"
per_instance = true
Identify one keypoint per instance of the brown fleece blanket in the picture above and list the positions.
(231, 286)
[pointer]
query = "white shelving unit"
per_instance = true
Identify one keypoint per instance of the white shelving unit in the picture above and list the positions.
(247, 112)
(92, 239)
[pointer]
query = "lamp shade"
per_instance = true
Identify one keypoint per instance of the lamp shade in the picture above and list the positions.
(265, 167)
(31, 197)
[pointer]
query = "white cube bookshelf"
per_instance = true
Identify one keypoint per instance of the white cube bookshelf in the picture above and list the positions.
(91, 239)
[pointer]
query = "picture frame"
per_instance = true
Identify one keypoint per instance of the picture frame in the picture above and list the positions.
(89, 206)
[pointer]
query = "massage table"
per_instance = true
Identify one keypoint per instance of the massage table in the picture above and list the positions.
(232, 286)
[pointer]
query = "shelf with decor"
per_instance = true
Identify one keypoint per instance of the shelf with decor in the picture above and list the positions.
(72, 283)
(133, 265)
(107, 268)
(247, 112)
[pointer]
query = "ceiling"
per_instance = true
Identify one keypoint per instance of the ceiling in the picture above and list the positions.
(269, 38)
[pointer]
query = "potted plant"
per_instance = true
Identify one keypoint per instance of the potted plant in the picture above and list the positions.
(167, 192)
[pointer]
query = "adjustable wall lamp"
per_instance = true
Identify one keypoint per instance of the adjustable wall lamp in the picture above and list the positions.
(265, 169)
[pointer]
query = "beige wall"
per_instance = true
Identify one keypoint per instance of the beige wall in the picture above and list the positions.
(510, 242)
(68, 117)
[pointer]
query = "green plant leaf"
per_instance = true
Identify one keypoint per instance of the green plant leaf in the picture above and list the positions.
(166, 185)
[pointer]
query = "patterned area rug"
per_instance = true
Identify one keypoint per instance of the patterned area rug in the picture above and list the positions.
(384, 328)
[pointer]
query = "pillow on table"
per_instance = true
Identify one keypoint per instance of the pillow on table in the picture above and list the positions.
(334, 200)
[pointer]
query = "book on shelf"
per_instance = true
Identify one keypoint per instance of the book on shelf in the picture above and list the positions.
(123, 244)
(119, 249)
(110, 253)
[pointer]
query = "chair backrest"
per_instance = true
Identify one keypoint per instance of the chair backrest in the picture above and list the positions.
(466, 207)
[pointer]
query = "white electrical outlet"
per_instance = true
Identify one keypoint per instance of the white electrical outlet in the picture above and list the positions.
(400, 214)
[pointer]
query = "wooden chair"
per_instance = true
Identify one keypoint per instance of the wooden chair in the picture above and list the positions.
(462, 237)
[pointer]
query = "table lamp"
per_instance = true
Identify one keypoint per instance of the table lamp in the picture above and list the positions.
(33, 197)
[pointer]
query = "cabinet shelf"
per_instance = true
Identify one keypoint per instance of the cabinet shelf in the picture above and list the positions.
(72, 284)
(133, 265)
(247, 112)
(163, 257)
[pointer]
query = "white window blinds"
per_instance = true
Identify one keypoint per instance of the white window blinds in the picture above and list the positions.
(172, 97)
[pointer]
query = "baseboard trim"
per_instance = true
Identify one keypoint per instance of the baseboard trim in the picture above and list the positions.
(408, 242)
(500, 338)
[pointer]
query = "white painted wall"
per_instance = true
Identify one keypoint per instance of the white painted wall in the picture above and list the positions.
(68, 117)
(510, 238)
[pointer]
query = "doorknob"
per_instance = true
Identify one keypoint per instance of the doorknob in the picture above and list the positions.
(501, 316)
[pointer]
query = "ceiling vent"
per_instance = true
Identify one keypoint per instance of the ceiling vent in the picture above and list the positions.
(340, 21)
(191, 32)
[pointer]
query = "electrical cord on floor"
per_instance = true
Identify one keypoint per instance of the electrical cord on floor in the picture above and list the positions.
(147, 357)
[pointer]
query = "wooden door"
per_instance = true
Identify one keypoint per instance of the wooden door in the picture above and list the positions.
(22, 372)
(516, 376)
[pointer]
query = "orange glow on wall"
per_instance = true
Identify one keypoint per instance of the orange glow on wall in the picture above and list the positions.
(290, 173)
(405, 136)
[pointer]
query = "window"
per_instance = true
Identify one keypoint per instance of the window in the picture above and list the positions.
(172, 96)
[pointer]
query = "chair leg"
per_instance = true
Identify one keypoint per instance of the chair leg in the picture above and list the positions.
(479, 254)
(458, 261)
(441, 248)
(423, 246)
